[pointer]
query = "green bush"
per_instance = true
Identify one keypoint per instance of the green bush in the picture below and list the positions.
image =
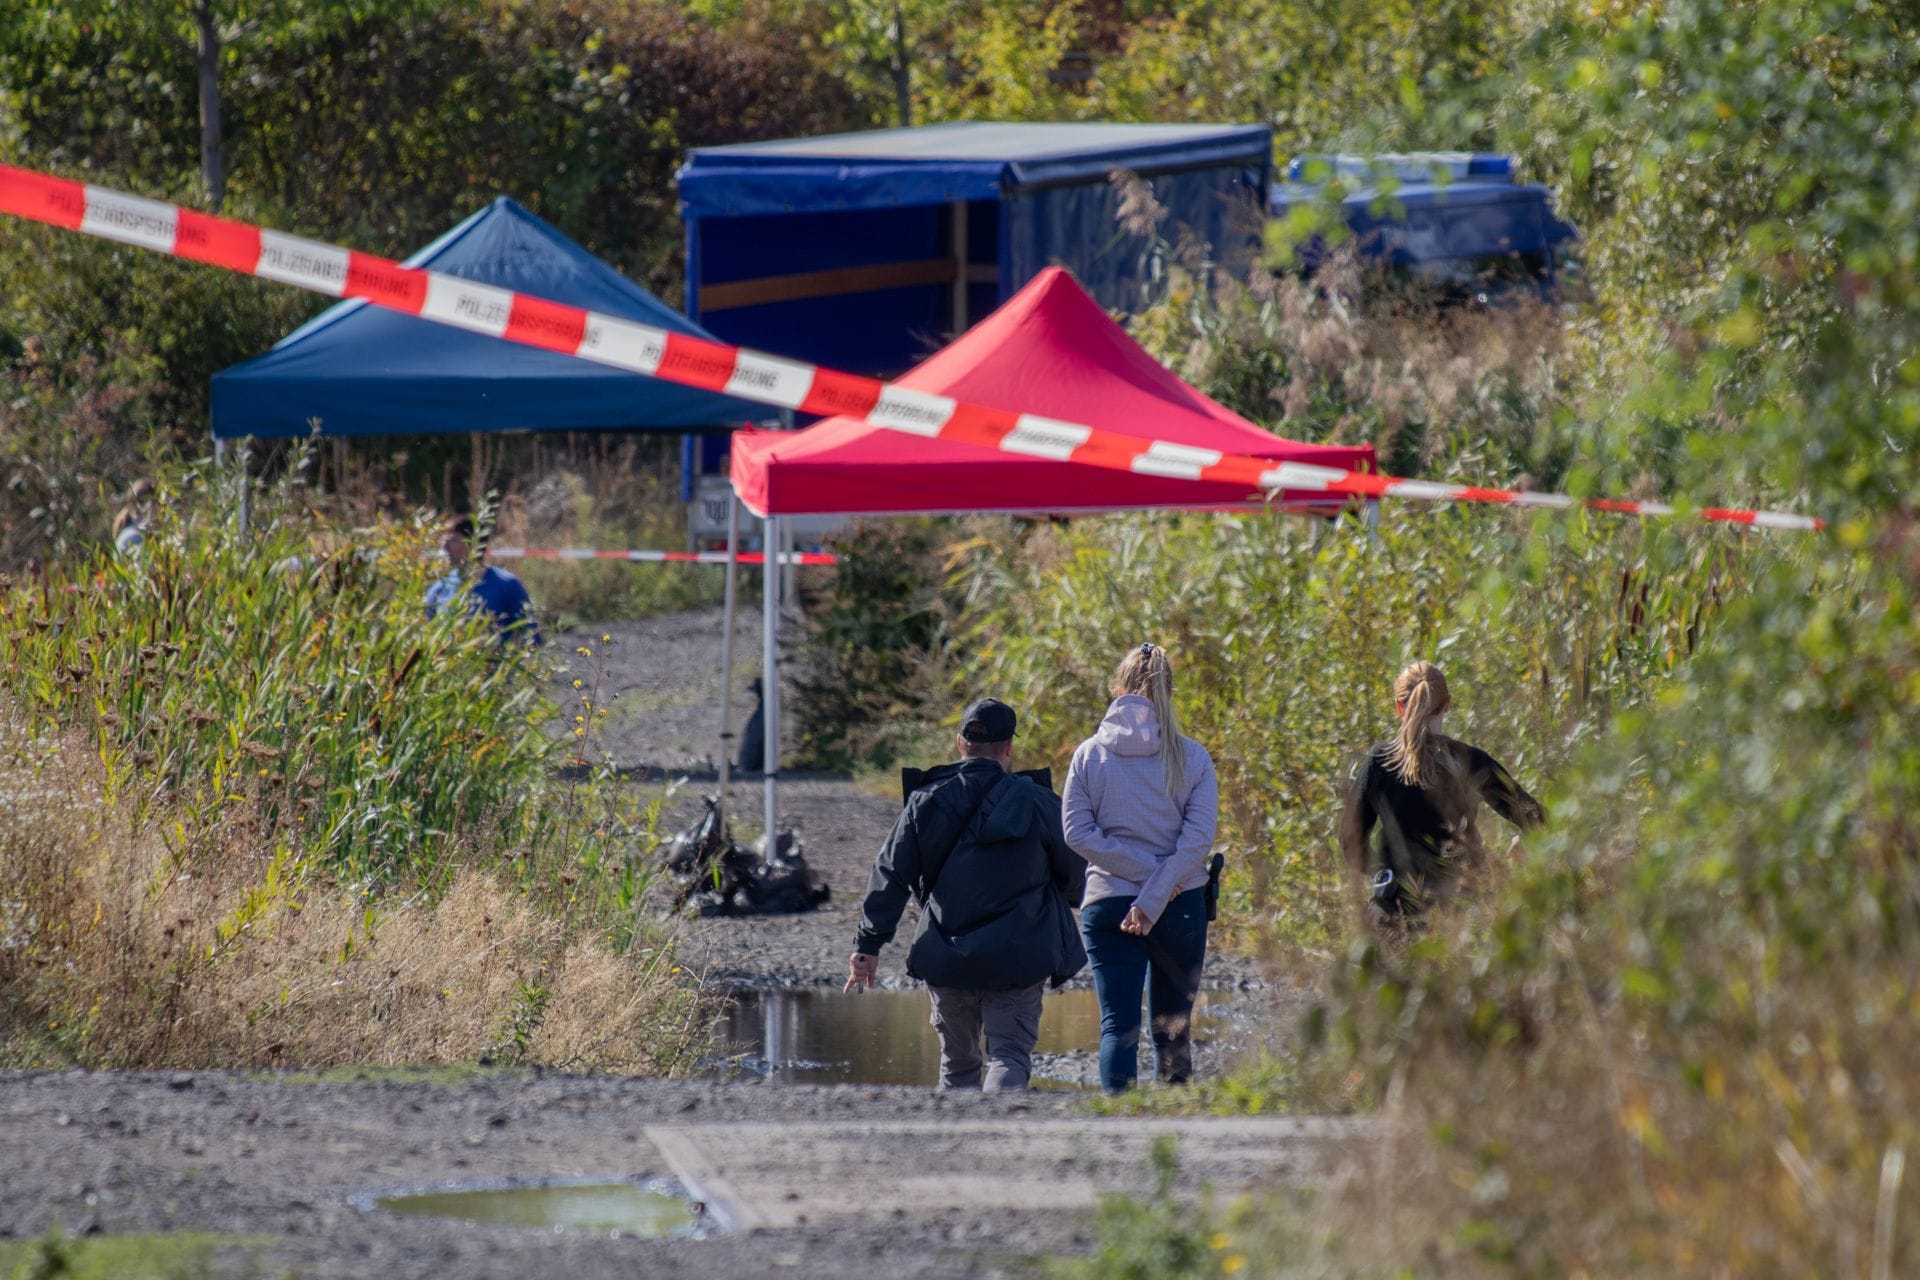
(871, 674)
(1160, 1237)
(581, 110)
(1679, 1040)
(1681, 1043)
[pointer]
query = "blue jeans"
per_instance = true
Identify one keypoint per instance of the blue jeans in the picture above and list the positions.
(1167, 963)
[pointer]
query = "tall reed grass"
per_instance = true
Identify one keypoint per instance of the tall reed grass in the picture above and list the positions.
(1286, 635)
(128, 941)
(292, 668)
(288, 759)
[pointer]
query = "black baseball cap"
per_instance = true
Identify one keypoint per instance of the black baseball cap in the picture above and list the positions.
(986, 721)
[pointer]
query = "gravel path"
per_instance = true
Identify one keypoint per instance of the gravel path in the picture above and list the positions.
(905, 1184)
(659, 680)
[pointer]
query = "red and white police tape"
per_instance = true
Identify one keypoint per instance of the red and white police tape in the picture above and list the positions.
(697, 362)
(656, 557)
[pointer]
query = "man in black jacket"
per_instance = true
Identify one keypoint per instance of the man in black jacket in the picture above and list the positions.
(982, 851)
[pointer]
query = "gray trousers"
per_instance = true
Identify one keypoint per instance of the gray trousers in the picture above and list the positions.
(1010, 1021)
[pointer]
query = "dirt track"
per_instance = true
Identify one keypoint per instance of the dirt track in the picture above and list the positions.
(828, 1181)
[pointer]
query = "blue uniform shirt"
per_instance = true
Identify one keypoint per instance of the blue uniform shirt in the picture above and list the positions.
(499, 593)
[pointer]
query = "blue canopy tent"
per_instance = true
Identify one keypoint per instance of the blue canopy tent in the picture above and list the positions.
(361, 370)
(868, 251)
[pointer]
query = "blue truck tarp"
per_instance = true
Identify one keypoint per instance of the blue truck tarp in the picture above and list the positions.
(362, 370)
(868, 251)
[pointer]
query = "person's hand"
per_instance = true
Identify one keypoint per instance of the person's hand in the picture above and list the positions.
(861, 971)
(1136, 922)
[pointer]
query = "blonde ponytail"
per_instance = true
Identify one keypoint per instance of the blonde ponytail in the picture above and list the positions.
(1421, 694)
(1147, 672)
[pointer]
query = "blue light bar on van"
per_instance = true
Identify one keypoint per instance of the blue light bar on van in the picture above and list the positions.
(1410, 166)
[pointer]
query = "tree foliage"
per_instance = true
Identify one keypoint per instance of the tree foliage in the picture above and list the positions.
(377, 126)
(1322, 73)
(930, 61)
(1680, 1042)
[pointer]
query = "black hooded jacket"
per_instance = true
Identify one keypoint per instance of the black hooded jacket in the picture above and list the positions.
(996, 914)
(1426, 853)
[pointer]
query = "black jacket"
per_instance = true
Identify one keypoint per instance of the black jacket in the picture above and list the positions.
(1425, 849)
(998, 913)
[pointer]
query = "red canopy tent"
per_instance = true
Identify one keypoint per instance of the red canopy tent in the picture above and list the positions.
(1051, 351)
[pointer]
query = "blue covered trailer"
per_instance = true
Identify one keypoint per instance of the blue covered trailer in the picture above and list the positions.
(1455, 219)
(869, 251)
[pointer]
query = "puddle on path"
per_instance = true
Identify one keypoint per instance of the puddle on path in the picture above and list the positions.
(598, 1208)
(883, 1037)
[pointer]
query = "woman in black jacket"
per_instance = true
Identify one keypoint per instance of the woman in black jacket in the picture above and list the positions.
(1423, 791)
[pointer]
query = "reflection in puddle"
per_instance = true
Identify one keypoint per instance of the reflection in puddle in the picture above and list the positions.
(884, 1037)
(598, 1208)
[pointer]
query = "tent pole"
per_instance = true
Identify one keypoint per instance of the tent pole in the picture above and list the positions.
(770, 669)
(789, 583)
(959, 312)
(789, 571)
(219, 463)
(246, 490)
(726, 656)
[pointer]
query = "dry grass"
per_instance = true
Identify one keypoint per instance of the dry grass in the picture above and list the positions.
(1552, 1118)
(1430, 385)
(1413, 363)
(128, 942)
(1591, 1155)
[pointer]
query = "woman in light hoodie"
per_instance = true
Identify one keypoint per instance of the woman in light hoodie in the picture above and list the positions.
(1141, 805)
